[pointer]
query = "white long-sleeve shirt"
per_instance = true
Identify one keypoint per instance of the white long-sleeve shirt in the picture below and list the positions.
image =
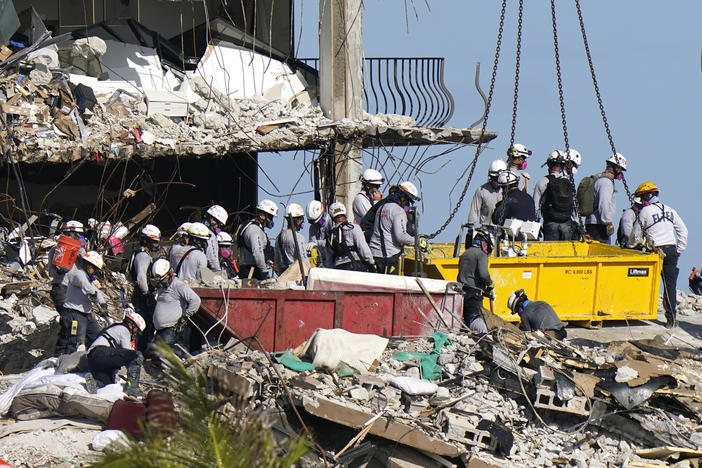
(663, 226)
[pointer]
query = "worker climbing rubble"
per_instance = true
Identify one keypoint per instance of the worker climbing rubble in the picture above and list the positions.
(346, 243)
(553, 199)
(215, 218)
(370, 193)
(517, 156)
(114, 348)
(515, 203)
(59, 280)
(662, 229)
(80, 327)
(536, 315)
(138, 269)
(318, 231)
(194, 258)
(253, 241)
(596, 199)
(486, 196)
(474, 276)
(289, 244)
(390, 229)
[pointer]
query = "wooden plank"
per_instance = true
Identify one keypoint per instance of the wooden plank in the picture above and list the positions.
(383, 427)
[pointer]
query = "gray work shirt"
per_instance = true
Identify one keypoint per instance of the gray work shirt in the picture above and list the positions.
(119, 333)
(318, 238)
(253, 240)
(540, 188)
(361, 205)
(391, 221)
(605, 202)
(285, 254)
(483, 204)
(212, 252)
(172, 302)
(139, 270)
(356, 242)
(192, 261)
(626, 226)
(81, 293)
(539, 315)
(521, 185)
(176, 252)
(473, 269)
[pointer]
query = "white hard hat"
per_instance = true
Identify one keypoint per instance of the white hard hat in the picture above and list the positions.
(151, 232)
(160, 268)
(409, 189)
(496, 166)
(315, 211)
(73, 226)
(574, 156)
(92, 222)
(199, 230)
(137, 319)
(507, 178)
(555, 157)
(371, 176)
(618, 160)
(294, 210)
(218, 213)
(120, 231)
(268, 206)
(337, 209)
(514, 298)
(104, 229)
(518, 149)
(93, 258)
(224, 239)
(183, 229)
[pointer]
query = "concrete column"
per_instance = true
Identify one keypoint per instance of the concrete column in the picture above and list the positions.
(341, 86)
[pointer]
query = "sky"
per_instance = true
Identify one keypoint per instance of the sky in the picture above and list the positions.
(647, 57)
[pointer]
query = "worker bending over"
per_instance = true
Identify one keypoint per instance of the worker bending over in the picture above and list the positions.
(536, 315)
(473, 274)
(347, 245)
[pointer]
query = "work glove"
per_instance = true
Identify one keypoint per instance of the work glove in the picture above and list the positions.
(490, 291)
(423, 244)
(372, 268)
(180, 324)
(610, 228)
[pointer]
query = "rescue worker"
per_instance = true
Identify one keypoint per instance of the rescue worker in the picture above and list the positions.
(113, 348)
(486, 196)
(573, 161)
(225, 255)
(515, 203)
(347, 243)
(664, 231)
(319, 229)
(695, 282)
(176, 302)
(59, 282)
(390, 229)
(215, 219)
(553, 199)
(253, 241)
(626, 223)
(78, 325)
(517, 156)
(474, 275)
(536, 315)
(138, 268)
(194, 259)
(600, 224)
(180, 246)
(286, 252)
(370, 193)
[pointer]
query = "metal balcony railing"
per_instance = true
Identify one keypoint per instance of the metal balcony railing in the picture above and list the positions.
(408, 86)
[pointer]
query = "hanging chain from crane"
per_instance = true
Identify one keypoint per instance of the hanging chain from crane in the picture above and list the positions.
(516, 72)
(478, 148)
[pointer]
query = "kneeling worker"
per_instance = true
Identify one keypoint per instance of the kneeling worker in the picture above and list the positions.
(114, 348)
(473, 274)
(536, 315)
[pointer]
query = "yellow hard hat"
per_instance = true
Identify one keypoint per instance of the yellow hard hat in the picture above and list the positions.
(646, 187)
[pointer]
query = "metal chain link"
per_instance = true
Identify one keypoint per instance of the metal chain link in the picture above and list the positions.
(517, 62)
(496, 61)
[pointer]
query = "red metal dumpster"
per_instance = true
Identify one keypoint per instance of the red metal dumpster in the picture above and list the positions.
(282, 319)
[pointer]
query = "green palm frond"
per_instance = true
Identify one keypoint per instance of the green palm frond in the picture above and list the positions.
(206, 436)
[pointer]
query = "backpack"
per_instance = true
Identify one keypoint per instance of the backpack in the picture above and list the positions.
(368, 220)
(335, 240)
(557, 202)
(586, 195)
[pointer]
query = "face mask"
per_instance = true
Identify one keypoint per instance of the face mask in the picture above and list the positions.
(406, 208)
(574, 170)
(270, 223)
(93, 277)
(225, 253)
(645, 203)
(620, 176)
(217, 230)
(524, 165)
(82, 241)
(494, 185)
(302, 226)
(322, 221)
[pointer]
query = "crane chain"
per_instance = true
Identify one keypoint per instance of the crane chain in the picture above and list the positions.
(478, 148)
(517, 62)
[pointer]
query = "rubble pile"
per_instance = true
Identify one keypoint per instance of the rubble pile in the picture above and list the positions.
(506, 399)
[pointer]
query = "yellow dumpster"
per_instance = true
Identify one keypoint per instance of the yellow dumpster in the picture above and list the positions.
(583, 281)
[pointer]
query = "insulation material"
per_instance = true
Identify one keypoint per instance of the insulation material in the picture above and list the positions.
(329, 348)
